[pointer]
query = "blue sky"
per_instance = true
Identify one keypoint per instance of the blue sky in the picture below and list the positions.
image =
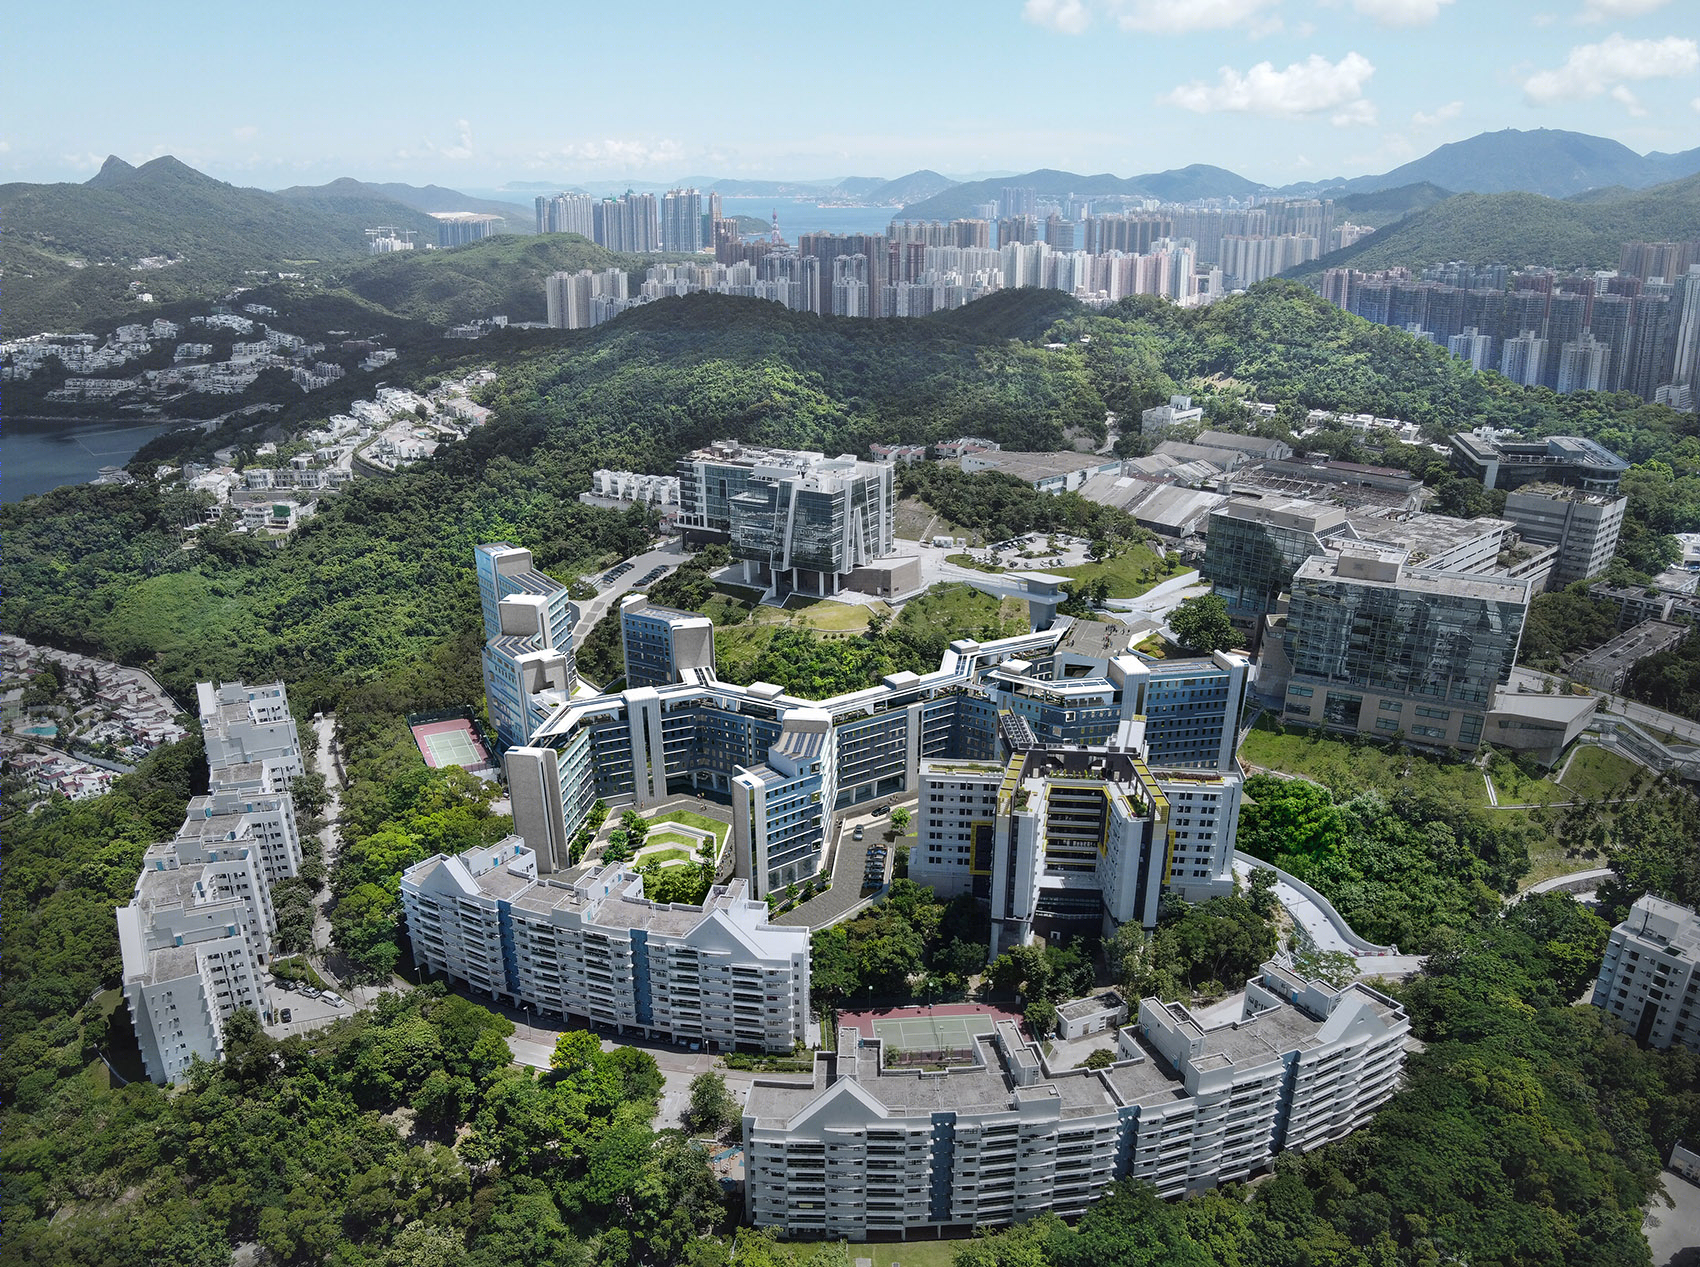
(476, 96)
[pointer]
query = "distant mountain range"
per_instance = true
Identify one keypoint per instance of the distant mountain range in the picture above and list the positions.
(1543, 161)
(1524, 228)
(430, 198)
(1180, 184)
(71, 252)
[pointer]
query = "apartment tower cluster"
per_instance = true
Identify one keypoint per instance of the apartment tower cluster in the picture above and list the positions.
(1635, 328)
(196, 934)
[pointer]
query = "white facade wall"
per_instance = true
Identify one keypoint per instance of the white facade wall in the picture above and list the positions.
(242, 724)
(868, 1150)
(1649, 980)
(594, 947)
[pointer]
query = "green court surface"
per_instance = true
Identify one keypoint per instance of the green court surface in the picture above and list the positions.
(454, 747)
(933, 1033)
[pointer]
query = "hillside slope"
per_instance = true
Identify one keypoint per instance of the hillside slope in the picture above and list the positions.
(1544, 161)
(500, 275)
(427, 198)
(1524, 228)
(70, 252)
(1182, 184)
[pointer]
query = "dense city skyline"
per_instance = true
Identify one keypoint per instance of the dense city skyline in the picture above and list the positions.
(1278, 90)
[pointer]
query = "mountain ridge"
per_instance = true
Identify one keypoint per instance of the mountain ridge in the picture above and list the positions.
(1519, 227)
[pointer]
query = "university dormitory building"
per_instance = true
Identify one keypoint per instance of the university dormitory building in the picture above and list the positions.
(787, 766)
(586, 943)
(863, 1149)
(196, 934)
(1649, 980)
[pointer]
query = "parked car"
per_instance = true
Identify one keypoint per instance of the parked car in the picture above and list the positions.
(284, 983)
(858, 833)
(287, 1015)
(335, 1000)
(309, 992)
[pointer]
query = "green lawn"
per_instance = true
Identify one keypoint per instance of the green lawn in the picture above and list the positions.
(916, 1253)
(647, 855)
(1346, 768)
(1130, 573)
(686, 818)
(961, 611)
(1552, 858)
(1596, 773)
(821, 613)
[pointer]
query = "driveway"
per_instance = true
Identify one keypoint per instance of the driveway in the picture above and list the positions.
(850, 857)
(669, 555)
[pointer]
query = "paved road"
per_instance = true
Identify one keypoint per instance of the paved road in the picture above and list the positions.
(1326, 933)
(850, 858)
(310, 1014)
(1673, 1230)
(669, 554)
(1651, 718)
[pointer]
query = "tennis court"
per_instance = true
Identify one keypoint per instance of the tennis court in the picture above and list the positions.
(934, 1033)
(452, 742)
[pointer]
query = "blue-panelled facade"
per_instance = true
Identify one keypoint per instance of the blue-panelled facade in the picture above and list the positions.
(787, 765)
(1191, 708)
(661, 645)
(529, 669)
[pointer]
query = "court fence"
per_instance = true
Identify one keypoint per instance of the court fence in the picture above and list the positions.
(491, 771)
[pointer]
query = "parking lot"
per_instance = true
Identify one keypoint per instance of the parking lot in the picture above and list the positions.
(305, 1012)
(854, 864)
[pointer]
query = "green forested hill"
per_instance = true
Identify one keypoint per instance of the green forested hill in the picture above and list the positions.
(517, 217)
(1521, 228)
(70, 251)
(1525, 1134)
(503, 274)
(1384, 206)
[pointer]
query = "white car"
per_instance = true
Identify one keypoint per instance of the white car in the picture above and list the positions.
(335, 1000)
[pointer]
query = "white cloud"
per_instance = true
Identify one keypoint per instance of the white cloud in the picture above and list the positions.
(247, 133)
(1071, 17)
(1164, 17)
(1401, 12)
(1629, 100)
(1451, 110)
(1310, 87)
(1592, 69)
(461, 149)
(1600, 10)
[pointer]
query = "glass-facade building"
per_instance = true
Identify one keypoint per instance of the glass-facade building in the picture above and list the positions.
(1385, 650)
(1253, 549)
(529, 667)
(800, 521)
